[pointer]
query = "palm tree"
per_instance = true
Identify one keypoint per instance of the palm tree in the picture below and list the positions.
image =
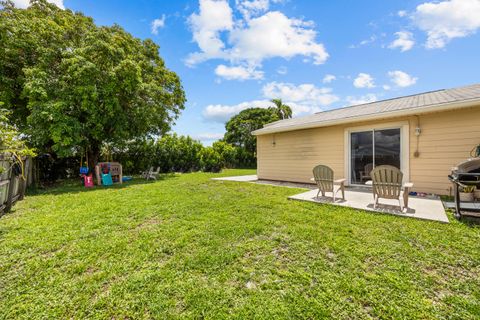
(283, 111)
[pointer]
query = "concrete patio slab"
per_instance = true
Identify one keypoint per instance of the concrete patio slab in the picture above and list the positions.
(359, 198)
(420, 208)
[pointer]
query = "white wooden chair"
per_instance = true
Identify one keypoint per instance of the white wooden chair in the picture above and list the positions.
(323, 177)
(150, 174)
(365, 174)
(387, 184)
(146, 173)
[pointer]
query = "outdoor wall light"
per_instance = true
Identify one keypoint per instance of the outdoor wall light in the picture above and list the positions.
(273, 141)
(418, 131)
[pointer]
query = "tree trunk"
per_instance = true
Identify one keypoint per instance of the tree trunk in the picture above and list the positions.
(93, 156)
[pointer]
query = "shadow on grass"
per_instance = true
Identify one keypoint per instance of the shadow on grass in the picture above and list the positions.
(76, 186)
(469, 220)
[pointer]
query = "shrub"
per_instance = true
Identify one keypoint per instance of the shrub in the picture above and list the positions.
(227, 152)
(210, 159)
(174, 153)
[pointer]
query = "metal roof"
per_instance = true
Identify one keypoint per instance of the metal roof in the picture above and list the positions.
(424, 102)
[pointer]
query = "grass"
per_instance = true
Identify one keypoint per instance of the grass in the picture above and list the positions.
(189, 247)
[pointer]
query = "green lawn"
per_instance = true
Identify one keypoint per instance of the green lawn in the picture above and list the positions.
(189, 247)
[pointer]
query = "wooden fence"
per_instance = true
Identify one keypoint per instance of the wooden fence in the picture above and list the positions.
(12, 186)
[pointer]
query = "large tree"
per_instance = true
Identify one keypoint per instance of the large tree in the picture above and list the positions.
(72, 85)
(239, 128)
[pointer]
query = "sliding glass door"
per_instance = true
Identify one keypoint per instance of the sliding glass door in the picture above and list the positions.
(361, 156)
(372, 148)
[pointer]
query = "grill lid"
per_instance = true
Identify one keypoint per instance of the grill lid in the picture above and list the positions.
(471, 165)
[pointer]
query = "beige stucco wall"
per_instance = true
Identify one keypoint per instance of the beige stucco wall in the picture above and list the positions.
(446, 139)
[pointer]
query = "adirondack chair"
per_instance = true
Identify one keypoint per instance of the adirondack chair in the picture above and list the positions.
(387, 184)
(150, 174)
(154, 175)
(365, 174)
(146, 173)
(323, 176)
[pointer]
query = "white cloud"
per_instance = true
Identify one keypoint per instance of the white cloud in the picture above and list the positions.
(208, 136)
(282, 70)
(275, 35)
(303, 99)
(370, 40)
(214, 17)
(329, 78)
(401, 79)
(386, 87)
(402, 13)
(368, 98)
(222, 113)
(158, 24)
(404, 41)
(238, 73)
(304, 94)
(25, 3)
(249, 42)
(446, 20)
(364, 80)
(252, 7)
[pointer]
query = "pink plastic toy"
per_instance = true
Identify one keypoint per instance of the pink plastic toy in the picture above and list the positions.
(88, 180)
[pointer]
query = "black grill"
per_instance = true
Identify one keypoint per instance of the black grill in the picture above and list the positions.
(465, 174)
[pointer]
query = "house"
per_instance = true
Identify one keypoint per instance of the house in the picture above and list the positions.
(424, 135)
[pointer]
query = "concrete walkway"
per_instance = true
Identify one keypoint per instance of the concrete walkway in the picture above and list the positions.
(249, 178)
(420, 208)
(254, 179)
(359, 198)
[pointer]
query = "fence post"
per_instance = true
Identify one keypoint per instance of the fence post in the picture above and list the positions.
(29, 171)
(23, 180)
(9, 203)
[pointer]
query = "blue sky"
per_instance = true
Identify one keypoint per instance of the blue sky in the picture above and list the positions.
(315, 55)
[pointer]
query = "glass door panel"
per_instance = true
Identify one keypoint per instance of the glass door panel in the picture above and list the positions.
(387, 147)
(361, 156)
(369, 149)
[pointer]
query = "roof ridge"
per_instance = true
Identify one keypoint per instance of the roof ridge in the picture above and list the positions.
(384, 100)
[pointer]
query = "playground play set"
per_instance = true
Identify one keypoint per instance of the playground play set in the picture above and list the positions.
(106, 173)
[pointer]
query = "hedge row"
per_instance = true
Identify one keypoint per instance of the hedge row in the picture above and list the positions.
(173, 153)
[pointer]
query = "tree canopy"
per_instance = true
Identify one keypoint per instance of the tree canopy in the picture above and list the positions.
(11, 143)
(71, 85)
(239, 128)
